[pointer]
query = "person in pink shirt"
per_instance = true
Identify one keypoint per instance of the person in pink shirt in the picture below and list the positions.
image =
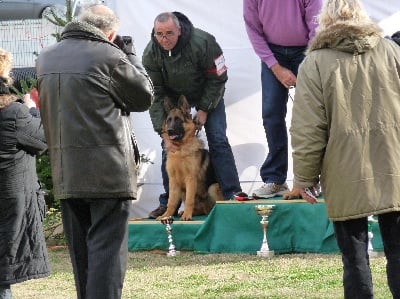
(279, 32)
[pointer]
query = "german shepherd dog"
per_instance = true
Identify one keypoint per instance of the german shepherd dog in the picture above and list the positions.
(191, 176)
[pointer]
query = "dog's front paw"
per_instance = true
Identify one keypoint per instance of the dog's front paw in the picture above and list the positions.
(162, 216)
(294, 194)
(186, 216)
(167, 213)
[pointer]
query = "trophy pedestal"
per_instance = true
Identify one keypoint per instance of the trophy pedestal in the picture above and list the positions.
(268, 253)
(173, 253)
(372, 254)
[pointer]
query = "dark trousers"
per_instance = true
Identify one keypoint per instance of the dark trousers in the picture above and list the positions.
(352, 239)
(5, 292)
(97, 235)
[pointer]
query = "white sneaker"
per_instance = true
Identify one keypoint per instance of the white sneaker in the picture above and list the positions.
(268, 190)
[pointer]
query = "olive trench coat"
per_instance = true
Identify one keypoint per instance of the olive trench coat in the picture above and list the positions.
(346, 121)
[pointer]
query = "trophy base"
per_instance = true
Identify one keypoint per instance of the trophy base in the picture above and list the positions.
(269, 253)
(173, 253)
(373, 254)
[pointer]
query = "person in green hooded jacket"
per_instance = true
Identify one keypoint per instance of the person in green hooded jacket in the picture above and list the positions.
(183, 60)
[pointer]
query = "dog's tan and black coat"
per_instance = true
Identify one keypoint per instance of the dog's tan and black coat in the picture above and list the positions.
(191, 176)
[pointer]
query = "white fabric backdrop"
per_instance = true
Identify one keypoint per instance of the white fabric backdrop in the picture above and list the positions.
(223, 19)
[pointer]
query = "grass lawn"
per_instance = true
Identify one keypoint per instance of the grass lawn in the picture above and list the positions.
(154, 275)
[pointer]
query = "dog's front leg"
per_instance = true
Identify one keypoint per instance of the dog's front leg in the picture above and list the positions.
(173, 202)
(191, 187)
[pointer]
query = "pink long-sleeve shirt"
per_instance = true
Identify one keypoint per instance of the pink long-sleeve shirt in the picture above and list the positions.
(279, 22)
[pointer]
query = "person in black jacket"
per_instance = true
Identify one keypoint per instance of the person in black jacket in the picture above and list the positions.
(88, 84)
(23, 252)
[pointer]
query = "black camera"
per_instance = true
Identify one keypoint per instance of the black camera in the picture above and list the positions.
(127, 39)
(128, 47)
(125, 43)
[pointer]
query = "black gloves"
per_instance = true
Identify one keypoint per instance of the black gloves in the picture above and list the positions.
(396, 37)
(125, 43)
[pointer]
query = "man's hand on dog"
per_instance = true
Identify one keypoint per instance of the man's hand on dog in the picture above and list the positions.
(308, 194)
(200, 118)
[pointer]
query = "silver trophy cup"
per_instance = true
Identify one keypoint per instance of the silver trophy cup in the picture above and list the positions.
(264, 211)
(167, 221)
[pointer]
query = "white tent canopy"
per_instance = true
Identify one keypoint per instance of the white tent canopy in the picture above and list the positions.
(223, 19)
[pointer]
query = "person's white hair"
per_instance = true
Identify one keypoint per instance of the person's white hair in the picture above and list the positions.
(342, 11)
(5, 65)
(6, 61)
(101, 17)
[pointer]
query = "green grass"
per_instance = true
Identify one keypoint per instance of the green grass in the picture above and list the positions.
(154, 275)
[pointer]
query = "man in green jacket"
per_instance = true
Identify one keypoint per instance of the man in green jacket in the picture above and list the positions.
(183, 60)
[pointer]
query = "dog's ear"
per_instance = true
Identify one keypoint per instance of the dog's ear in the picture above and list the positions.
(183, 104)
(168, 104)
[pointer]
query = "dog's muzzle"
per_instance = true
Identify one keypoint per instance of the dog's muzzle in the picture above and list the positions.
(174, 134)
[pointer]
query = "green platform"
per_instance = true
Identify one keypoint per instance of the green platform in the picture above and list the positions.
(234, 227)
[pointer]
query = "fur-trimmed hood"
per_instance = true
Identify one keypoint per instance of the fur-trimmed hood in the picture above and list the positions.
(77, 29)
(343, 37)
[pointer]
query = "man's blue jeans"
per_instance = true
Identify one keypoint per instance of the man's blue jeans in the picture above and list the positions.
(274, 109)
(352, 239)
(221, 155)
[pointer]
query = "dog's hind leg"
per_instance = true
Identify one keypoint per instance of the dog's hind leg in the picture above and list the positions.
(203, 206)
(214, 191)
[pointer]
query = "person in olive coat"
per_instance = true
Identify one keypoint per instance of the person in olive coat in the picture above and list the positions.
(345, 134)
(23, 252)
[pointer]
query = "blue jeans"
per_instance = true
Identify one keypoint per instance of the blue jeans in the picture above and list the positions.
(352, 239)
(220, 154)
(274, 108)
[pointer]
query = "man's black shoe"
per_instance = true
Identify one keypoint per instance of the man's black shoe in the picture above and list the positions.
(157, 212)
(160, 211)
